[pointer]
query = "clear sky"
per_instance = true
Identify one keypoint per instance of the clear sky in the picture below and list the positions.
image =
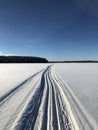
(54, 29)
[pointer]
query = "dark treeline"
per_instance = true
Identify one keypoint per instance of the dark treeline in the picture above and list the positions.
(22, 59)
(82, 61)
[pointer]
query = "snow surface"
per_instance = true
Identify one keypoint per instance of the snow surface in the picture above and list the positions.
(48, 97)
(82, 79)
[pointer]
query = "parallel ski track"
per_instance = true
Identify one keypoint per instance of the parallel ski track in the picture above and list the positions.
(42, 107)
(46, 110)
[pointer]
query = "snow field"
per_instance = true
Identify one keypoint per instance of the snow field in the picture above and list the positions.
(48, 97)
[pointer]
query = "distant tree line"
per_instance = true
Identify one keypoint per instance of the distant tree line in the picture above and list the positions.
(22, 59)
(81, 61)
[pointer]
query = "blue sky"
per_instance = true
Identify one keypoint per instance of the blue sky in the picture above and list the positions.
(55, 29)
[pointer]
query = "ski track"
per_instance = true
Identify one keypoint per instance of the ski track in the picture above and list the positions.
(42, 105)
(15, 89)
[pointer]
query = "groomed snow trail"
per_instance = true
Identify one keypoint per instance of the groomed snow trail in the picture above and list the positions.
(36, 104)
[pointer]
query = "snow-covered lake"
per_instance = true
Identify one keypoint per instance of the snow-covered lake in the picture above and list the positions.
(61, 96)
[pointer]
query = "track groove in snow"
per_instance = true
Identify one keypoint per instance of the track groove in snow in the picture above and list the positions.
(41, 111)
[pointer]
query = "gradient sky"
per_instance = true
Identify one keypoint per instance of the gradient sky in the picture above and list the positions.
(55, 29)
